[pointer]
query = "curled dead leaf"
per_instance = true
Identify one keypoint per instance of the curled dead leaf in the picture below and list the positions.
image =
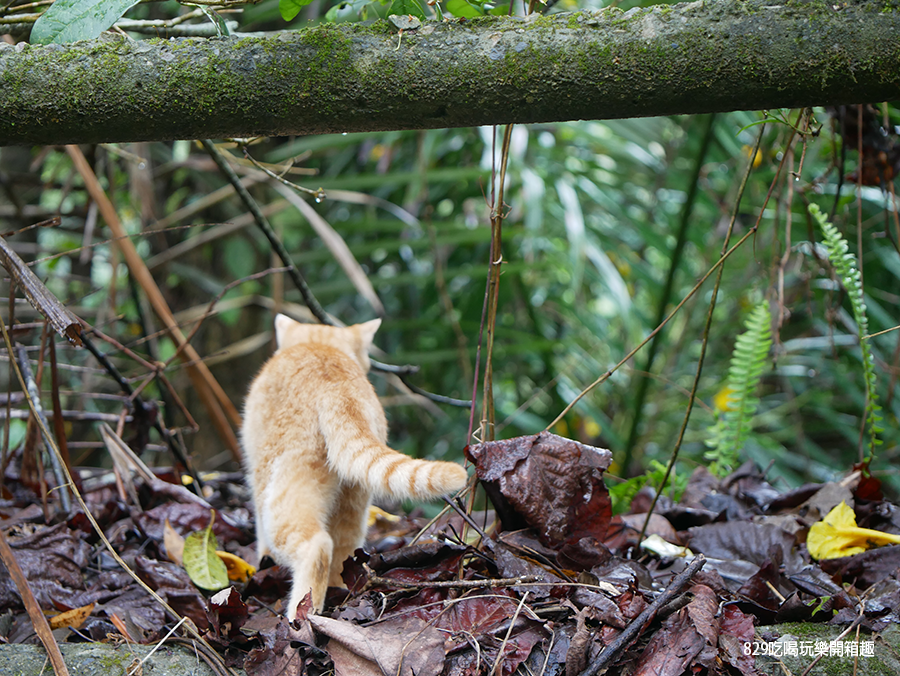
(550, 483)
(838, 535)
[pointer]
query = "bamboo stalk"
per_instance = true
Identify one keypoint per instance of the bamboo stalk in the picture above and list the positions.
(220, 408)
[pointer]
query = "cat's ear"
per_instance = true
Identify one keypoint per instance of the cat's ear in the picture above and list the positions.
(367, 332)
(283, 323)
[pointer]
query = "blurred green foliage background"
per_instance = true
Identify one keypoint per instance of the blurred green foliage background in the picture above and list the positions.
(593, 211)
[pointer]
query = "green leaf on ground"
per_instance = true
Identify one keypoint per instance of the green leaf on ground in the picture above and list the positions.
(201, 562)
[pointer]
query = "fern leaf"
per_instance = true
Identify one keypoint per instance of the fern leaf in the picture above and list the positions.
(848, 272)
(748, 362)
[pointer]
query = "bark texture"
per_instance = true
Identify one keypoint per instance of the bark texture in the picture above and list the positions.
(689, 58)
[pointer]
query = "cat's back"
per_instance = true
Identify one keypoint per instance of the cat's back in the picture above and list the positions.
(304, 369)
(314, 370)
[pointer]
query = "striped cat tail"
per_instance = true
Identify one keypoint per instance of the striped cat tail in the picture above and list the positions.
(357, 454)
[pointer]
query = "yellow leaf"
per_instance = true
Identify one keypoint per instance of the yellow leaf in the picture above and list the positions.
(838, 535)
(238, 569)
(71, 618)
(378, 514)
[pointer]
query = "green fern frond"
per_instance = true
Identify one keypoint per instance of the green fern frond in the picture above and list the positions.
(623, 493)
(848, 272)
(748, 362)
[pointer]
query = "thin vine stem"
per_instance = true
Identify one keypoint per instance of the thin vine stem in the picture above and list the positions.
(712, 306)
(675, 260)
(497, 216)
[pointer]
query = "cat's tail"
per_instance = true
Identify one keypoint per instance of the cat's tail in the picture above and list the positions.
(357, 456)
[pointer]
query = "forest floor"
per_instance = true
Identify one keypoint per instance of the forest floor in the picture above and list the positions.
(547, 582)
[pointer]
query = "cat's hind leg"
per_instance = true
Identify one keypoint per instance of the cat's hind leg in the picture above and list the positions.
(310, 566)
(298, 500)
(347, 524)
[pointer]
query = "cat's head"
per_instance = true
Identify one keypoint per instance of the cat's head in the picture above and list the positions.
(354, 341)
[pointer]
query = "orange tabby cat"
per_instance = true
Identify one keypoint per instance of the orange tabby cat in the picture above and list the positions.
(314, 437)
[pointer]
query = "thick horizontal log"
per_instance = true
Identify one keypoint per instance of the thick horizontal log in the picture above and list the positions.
(690, 58)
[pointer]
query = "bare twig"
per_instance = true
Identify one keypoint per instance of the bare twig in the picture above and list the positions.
(137, 668)
(59, 427)
(263, 223)
(465, 516)
(152, 27)
(633, 630)
(4, 458)
(294, 273)
(449, 584)
(38, 621)
(141, 408)
(35, 398)
(512, 623)
(604, 377)
(709, 315)
(336, 245)
(497, 215)
(65, 323)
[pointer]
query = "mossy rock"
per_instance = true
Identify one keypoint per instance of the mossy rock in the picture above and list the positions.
(885, 660)
(103, 659)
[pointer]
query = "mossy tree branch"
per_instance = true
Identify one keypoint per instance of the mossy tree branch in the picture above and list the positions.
(688, 58)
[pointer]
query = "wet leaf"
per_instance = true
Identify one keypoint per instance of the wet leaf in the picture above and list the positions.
(202, 563)
(838, 535)
(740, 540)
(735, 631)
(53, 559)
(481, 616)
(283, 647)
(185, 518)
(547, 482)
(431, 560)
(174, 584)
(227, 613)
(684, 636)
(867, 568)
(270, 584)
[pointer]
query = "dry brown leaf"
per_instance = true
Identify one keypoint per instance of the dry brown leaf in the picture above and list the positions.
(402, 646)
(174, 543)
